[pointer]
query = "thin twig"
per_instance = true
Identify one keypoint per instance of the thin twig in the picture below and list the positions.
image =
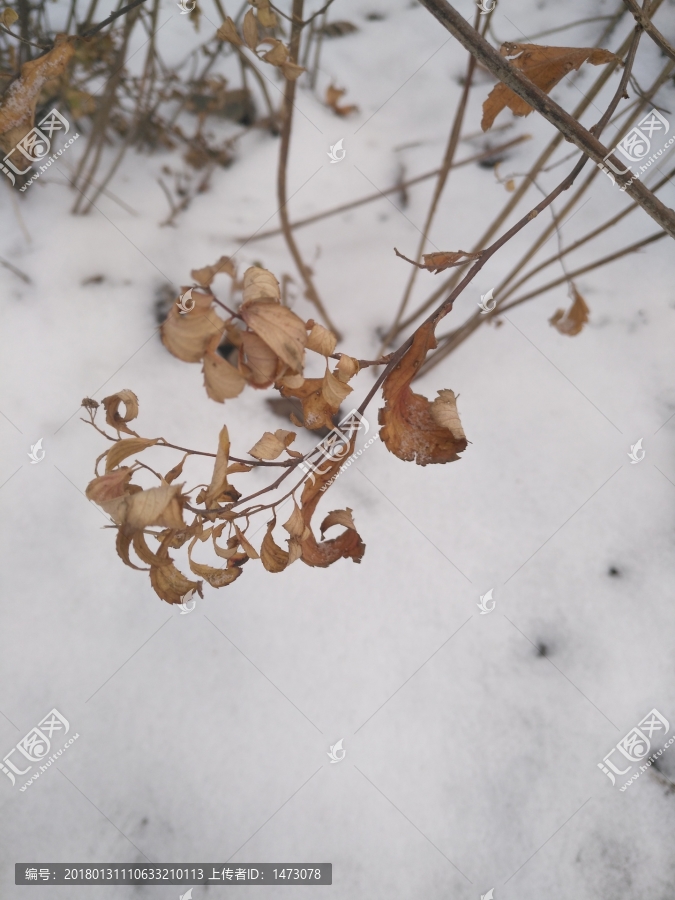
(645, 22)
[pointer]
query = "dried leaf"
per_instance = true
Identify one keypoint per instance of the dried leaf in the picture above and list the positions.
(437, 262)
(228, 32)
(338, 517)
(347, 545)
(17, 104)
(258, 362)
(296, 526)
(260, 284)
(107, 487)
(333, 390)
(123, 545)
(155, 506)
(171, 585)
(571, 321)
(250, 30)
(122, 449)
(205, 276)
(291, 71)
(273, 557)
(220, 489)
(188, 336)
(245, 544)
(9, 16)
(177, 470)
(333, 95)
(292, 381)
(279, 328)
(221, 379)
(444, 413)
(321, 340)
(238, 467)
(266, 17)
(215, 577)
(270, 446)
(278, 54)
(294, 550)
(409, 430)
(318, 412)
(111, 405)
(347, 367)
(145, 554)
(545, 67)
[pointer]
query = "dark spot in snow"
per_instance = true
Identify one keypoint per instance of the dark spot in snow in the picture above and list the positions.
(614, 572)
(375, 16)
(93, 279)
(165, 297)
(490, 162)
(542, 649)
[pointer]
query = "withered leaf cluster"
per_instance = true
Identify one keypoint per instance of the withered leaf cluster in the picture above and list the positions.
(264, 17)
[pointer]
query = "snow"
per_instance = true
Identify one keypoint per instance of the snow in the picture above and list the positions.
(204, 737)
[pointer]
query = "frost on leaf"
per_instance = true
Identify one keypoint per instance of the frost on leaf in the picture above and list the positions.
(17, 105)
(571, 321)
(188, 336)
(412, 427)
(545, 67)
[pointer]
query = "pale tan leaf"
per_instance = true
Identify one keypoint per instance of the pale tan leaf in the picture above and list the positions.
(246, 545)
(188, 336)
(155, 506)
(333, 96)
(215, 577)
(228, 32)
(338, 517)
(250, 30)
(123, 545)
(321, 340)
(347, 367)
(111, 405)
(295, 549)
(221, 379)
(273, 557)
(233, 468)
(270, 446)
(9, 16)
(292, 381)
(219, 489)
(277, 55)
(107, 487)
(122, 449)
(296, 524)
(333, 390)
(260, 284)
(444, 413)
(291, 71)
(257, 361)
(279, 328)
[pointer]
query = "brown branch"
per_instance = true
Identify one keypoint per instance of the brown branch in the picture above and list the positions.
(111, 18)
(571, 130)
(287, 122)
(645, 23)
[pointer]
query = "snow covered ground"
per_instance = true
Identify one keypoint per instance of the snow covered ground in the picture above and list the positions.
(472, 741)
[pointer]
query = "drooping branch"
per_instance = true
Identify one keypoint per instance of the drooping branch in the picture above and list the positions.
(570, 129)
